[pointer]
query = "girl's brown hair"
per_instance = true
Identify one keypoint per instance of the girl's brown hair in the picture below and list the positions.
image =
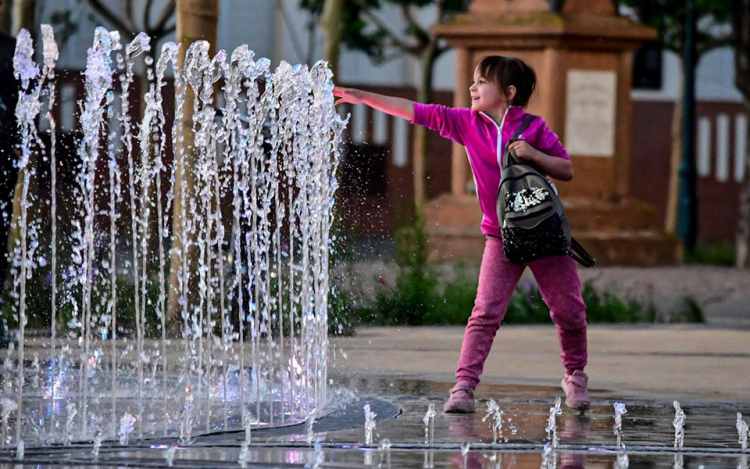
(509, 71)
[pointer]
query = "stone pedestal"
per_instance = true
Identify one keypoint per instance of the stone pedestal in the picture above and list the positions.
(582, 54)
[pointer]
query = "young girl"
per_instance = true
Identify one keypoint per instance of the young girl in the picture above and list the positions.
(500, 92)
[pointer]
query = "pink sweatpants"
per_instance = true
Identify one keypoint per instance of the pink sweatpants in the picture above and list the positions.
(557, 279)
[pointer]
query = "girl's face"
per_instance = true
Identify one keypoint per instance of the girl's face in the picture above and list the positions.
(485, 95)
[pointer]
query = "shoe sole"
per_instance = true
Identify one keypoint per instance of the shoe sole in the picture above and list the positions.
(455, 410)
(580, 407)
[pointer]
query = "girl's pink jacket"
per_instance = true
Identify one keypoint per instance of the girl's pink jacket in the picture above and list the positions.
(484, 140)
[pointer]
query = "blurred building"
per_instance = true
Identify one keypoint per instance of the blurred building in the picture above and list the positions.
(377, 178)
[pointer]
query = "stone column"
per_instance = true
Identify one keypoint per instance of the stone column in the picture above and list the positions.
(459, 163)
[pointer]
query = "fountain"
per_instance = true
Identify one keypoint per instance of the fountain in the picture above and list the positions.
(246, 341)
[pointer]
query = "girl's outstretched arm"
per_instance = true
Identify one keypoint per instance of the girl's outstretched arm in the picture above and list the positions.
(397, 107)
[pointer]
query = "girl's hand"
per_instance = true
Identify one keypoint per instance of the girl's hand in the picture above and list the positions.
(523, 150)
(348, 95)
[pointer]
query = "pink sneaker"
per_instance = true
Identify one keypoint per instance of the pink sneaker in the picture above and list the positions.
(576, 390)
(461, 400)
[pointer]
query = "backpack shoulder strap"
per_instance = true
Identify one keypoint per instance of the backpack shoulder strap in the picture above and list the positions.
(508, 158)
(522, 128)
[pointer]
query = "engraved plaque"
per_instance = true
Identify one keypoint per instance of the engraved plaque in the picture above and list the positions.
(590, 113)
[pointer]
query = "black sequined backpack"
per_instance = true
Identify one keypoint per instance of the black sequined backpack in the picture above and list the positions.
(531, 215)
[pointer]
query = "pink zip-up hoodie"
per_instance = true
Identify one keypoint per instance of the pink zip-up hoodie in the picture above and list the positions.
(485, 141)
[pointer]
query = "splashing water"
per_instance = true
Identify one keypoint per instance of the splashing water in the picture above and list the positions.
(551, 428)
(679, 426)
(493, 410)
(742, 432)
(369, 424)
(246, 191)
(620, 409)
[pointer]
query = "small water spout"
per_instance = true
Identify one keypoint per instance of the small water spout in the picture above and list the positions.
(309, 425)
(742, 432)
(429, 425)
(493, 410)
(679, 426)
(369, 424)
(551, 428)
(127, 423)
(97, 443)
(620, 409)
(71, 411)
(186, 424)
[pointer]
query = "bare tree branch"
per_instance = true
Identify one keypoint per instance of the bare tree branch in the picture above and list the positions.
(130, 13)
(110, 17)
(397, 41)
(166, 14)
(423, 36)
(168, 30)
(292, 33)
(147, 14)
(715, 42)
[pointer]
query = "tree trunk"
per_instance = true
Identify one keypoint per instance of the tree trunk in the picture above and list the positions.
(741, 25)
(742, 248)
(23, 16)
(330, 22)
(196, 19)
(420, 145)
(670, 220)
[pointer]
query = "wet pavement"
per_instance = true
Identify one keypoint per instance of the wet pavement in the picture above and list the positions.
(457, 441)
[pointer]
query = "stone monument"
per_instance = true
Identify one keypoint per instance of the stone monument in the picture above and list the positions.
(582, 52)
